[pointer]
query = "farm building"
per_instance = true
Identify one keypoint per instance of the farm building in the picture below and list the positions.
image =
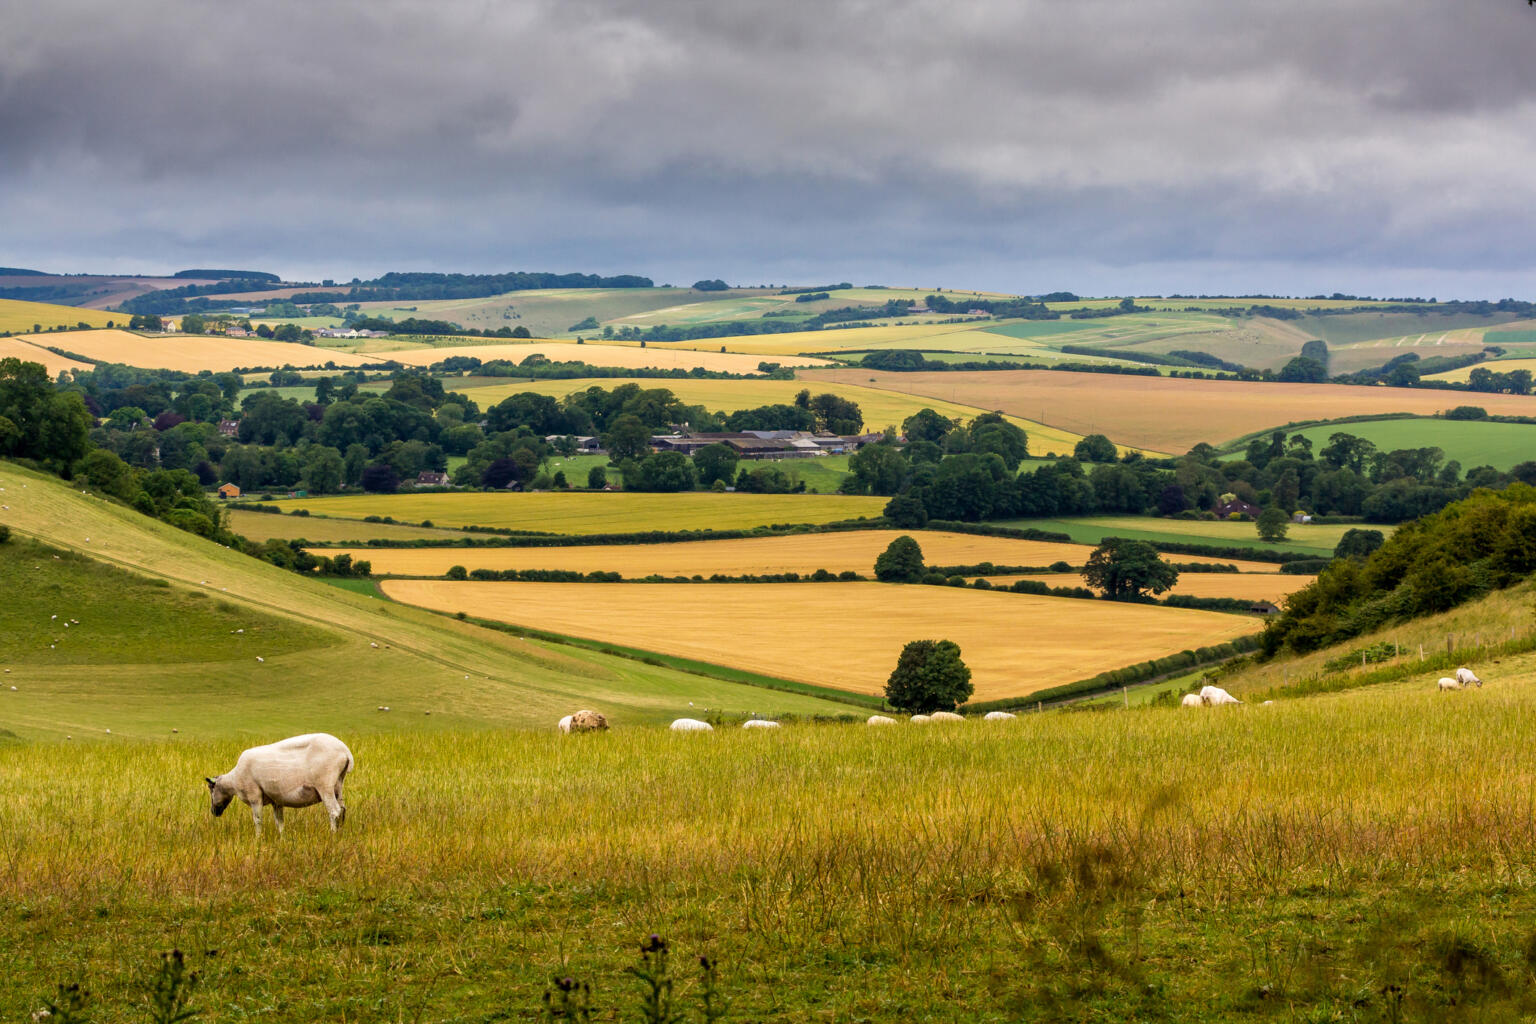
(229, 428)
(431, 478)
(229, 491)
(1236, 507)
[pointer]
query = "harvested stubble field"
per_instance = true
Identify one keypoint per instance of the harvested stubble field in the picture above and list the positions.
(34, 352)
(18, 315)
(1161, 413)
(602, 355)
(844, 635)
(434, 672)
(1247, 586)
(1497, 366)
(802, 553)
(191, 353)
(880, 408)
(582, 512)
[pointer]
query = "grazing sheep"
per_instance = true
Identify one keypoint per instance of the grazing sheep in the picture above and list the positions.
(1447, 683)
(759, 723)
(564, 725)
(1192, 700)
(691, 725)
(1215, 695)
(946, 716)
(296, 772)
(998, 716)
(919, 719)
(880, 720)
(1465, 677)
(586, 721)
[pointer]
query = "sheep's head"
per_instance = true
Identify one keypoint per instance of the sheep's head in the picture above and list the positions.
(221, 794)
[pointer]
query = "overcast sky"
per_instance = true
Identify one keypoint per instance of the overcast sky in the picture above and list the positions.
(1105, 146)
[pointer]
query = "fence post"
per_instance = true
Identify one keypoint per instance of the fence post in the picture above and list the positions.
(1127, 695)
(1421, 652)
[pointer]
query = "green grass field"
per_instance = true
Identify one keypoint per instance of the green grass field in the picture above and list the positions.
(1470, 442)
(1303, 538)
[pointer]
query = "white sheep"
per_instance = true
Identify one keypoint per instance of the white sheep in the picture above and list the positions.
(1466, 677)
(920, 719)
(1215, 695)
(1192, 700)
(564, 725)
(880, 720)
(946, 716)
(998, 716)
(759, 723)
(691, 725)
(1447, 683)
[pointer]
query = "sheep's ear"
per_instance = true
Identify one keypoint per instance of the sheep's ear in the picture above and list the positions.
(211, 782)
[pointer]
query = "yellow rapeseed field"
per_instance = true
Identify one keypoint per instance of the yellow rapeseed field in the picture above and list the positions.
(582, 512)
(18, 316)
(881, 408)
(844, 635)
(192, 354)
(1160, 413)
(595, 354)
(31, 352)
(805, 553)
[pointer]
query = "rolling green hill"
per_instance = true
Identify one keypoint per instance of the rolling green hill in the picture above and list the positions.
(329, 657)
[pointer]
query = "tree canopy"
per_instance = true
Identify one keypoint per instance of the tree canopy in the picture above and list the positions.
(929, 676)
(1128, 570)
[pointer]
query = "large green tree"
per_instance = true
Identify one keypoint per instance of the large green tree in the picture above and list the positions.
(900, 562)
(1126, 570)
(929, 676)
(1273, 524)
(37, 422)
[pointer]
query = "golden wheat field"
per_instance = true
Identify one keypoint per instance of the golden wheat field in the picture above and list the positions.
(1498, 366)
(583, 512)
(881, 408)
(259, 526)
(804, 553)
(33, 352)
(1273, 587)
(18, 316)
(595, 354)
(1161, 413)
(844, 635)
(191, 354)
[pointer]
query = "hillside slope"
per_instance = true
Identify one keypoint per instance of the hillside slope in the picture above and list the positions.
(360, 652)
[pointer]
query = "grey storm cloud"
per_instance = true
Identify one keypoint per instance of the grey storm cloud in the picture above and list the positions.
(999, 138)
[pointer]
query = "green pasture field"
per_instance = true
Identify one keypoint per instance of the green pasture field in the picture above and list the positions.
(1510, 336)
(1153, 864)
(1470, 442)
(1304, 538)
(1347, 328)
(329, 658)
(577, 512)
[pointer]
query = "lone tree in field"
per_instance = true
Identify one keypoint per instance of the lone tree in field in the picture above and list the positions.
(929, 676)
(1273, 524)
(902, 562)
(1128, 570)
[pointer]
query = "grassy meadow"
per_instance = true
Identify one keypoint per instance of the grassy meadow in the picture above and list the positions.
(1159, 864)
(846, 636)
(1303, 538)
(1470, 442)
(1160, 413)
(582, 512)
(261, 526)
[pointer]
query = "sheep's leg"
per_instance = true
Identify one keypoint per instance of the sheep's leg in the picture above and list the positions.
(277, 812)
(335, 808)
(256, 817)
